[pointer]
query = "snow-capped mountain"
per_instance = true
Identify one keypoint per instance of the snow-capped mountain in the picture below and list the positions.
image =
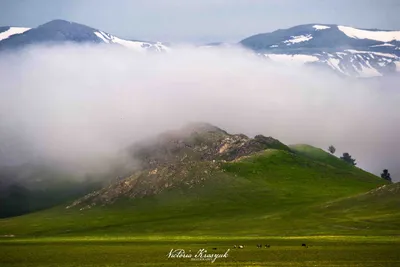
(346, 50)
(64, 31)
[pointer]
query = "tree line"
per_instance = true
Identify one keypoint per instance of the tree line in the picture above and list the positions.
(348, 159)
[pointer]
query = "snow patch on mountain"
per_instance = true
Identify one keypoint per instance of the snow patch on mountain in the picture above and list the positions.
(298, 39)
(360, 64)
(12, 31)
(102, 37)
(385, 44)
(382, 36)
(334, 63)
(320, 27)
(372, 53)
(136, 45)
(367, 71)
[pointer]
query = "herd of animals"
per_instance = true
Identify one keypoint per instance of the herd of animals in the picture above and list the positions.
(261, 246)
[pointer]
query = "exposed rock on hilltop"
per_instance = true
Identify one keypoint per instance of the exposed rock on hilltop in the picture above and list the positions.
(200, 142)
(179, 159)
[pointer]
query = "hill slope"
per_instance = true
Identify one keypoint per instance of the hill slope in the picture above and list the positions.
(199, 189)
(376, 211)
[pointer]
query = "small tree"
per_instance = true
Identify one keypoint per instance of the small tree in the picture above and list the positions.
(346, 157)
(386, 175)
(332, 149)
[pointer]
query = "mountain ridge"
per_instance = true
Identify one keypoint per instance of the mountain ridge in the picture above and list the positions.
(347, 51)
(58, 31)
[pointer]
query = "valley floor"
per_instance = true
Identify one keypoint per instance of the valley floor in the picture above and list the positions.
(324, 251)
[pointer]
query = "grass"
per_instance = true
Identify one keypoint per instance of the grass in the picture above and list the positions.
(274, 197)
(321, 251)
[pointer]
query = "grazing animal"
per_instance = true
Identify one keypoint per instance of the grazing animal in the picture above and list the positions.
(304, 245)
(267, 245)
(259, 245)
(234, 246)
(214, 248)
(241, 246)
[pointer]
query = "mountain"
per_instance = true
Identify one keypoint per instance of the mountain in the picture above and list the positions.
(346, 50)
(203, 181)
(58, 31)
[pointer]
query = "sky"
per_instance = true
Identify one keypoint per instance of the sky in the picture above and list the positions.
(200, 21)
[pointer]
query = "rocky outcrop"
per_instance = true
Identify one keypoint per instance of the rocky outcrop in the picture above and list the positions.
(179, 159)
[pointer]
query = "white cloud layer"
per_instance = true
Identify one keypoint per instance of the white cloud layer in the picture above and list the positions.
(78, 104)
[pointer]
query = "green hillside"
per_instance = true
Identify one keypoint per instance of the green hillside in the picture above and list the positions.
(269, 192)
(209, 189)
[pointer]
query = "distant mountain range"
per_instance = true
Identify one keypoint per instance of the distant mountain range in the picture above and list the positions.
(345, 50)
(57, 31)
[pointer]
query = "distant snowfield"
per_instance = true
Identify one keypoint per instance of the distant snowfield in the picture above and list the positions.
(372, 53)
(368, 71)
(136, 45)
(298, 39)
(334, 64)
(320, 27)
(361, 66)
(385, 44)
(383, 36)
(12, 31)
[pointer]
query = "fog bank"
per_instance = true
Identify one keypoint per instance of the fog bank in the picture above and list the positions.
(78, 105)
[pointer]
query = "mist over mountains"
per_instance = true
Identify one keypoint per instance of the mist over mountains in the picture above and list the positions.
(76, 96)
(347, 51)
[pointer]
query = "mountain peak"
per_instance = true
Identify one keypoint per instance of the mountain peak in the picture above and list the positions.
(58, 31)
(59, 23)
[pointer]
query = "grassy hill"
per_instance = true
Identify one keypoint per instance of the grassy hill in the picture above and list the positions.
(207, 188)
(272, 192)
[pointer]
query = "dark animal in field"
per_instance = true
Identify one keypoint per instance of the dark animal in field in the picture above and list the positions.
(304, 245)
(259, 246)
(267, 245)
(214, 248)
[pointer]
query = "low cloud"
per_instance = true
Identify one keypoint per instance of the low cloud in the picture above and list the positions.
(80, 105)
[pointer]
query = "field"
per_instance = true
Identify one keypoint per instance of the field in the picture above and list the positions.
(345, 216)
(321, 251)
